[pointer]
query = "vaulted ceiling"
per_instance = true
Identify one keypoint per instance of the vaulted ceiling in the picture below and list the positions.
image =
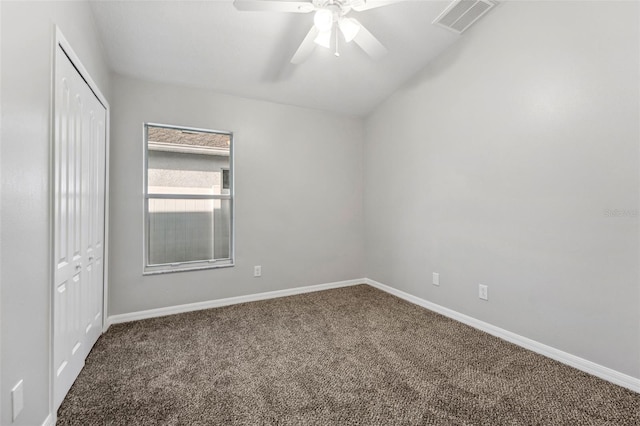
(210, 44)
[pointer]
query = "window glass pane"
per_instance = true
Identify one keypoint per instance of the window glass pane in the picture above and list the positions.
(188, 230)
(186, 162)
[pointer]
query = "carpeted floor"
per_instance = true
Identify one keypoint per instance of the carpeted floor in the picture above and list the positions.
(350, 356)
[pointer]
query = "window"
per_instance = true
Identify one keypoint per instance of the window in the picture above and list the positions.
(188, 199)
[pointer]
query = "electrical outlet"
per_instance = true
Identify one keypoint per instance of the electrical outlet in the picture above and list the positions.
(436, 278)
(17, 399)
(483, 292)
(257, 271)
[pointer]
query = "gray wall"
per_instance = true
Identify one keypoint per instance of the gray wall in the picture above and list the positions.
(27, 40)
(497, 165)
(302, 221)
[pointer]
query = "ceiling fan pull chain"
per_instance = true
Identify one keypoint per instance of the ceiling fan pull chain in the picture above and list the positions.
(337, 53)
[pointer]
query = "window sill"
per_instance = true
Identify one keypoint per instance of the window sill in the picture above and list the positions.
(170, 270)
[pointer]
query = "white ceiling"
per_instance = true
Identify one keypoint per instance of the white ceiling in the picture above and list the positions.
(209, 44)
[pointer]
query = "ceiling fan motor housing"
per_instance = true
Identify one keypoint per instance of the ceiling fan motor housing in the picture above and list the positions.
(340, 7)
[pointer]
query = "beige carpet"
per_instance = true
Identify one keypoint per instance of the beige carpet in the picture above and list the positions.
(351, 356)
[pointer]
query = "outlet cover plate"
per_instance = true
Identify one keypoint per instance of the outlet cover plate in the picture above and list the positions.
(436, 278)
(483, 292)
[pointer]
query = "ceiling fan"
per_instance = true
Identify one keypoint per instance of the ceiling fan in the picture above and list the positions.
(330, 18)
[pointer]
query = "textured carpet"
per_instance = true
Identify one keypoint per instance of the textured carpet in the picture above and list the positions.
(350, 356)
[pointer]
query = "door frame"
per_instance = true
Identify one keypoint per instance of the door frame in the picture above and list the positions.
(60, 41)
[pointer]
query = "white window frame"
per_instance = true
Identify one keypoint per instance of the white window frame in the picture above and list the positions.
(164, 268)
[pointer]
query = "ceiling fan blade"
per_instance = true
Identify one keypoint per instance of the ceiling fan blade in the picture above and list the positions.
(362, 5)
(274, 6)
(369, 43)
(306, 47)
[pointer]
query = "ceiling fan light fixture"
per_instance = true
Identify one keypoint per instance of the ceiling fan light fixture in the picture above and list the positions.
(324, 39)
(349, 28)
(327, 15)
(323, 20)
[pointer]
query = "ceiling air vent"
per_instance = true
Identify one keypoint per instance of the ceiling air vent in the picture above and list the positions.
(460, 14)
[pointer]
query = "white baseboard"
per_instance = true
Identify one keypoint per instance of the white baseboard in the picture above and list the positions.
(49, 421)
(171, 310)
(581, 364)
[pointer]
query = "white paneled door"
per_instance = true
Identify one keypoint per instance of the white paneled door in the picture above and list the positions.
(79, 194)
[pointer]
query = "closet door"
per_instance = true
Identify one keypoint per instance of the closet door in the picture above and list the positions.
(93, 173)
(79, 166)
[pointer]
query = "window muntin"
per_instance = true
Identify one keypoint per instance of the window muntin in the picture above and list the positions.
(188, 199)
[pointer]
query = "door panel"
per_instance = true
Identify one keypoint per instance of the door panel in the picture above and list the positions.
(79, 153)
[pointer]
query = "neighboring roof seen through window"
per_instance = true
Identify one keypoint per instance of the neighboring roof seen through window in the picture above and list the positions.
(162, 136)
